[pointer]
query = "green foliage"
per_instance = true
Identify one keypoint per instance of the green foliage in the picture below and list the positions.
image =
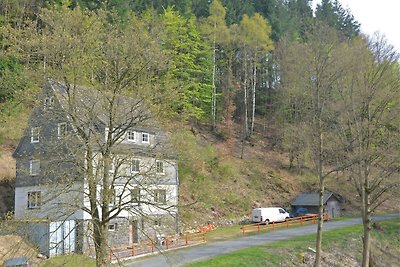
(11, 79)
(191, 57)
(70, 260)
(333, 14)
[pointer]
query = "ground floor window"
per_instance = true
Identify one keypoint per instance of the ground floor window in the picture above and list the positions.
(34, 199)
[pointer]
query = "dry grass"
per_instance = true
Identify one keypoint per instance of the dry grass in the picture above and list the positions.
(12, 246)
(7, 164)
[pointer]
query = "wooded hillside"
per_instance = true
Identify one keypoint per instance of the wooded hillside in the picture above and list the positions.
(262, 99)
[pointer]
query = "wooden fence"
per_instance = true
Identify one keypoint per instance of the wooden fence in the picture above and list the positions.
(258, 227)
(150, 247)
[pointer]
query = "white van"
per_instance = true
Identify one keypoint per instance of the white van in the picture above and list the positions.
(269, 215)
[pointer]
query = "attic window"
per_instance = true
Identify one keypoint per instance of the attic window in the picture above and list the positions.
(62, 130)
(145, 138)
(48, 102)
(34, 167)
(131, 136)
(35, 134)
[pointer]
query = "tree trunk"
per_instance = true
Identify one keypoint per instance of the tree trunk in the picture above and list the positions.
(214, 91)
(254, 97)
(366, 215)
(318, 245)
(100, 243)
(246, 123)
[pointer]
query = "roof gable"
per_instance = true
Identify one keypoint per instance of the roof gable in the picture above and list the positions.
(311, 198)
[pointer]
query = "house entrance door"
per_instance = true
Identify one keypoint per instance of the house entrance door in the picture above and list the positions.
(134, 231)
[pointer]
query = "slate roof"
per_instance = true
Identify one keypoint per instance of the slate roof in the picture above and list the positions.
(89, 101)
(311, 198)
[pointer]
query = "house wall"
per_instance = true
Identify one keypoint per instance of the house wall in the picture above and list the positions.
(59, 167)
(59, 202)
(333, 208)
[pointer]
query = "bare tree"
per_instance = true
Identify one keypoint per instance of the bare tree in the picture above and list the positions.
(370, 127)
(311, 73)
(122, 61)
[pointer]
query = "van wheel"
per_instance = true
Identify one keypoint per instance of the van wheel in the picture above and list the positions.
(266, 221)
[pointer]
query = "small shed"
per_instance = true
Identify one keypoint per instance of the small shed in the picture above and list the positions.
(309, 200)
(18, 262)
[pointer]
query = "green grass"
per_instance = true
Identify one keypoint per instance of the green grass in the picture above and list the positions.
(291, 252)
(70, 260)
(224, 233)
(247, 257)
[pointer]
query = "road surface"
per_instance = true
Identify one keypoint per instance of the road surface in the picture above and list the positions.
(202, 252)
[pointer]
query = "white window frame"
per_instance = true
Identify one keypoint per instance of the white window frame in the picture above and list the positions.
(112, 227)
(128, 136)
(48, 102)
(157, 196)
(113, 199)
(34, 199)
(35, 134)
(31, 169)
(132, 170)
(61, 135)
(147, 137)
(162, 165)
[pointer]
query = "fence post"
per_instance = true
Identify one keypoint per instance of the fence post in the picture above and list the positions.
(166, 243)
(204, 238)
(110, 254)
(186, 240)
(152, 246)
(287, 224)
(273, 225)
(301, 220)
(243, 230)
(133, 250)
(314, 220)
(258, 227)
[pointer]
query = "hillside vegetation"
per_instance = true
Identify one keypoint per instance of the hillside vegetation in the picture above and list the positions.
(261, 99)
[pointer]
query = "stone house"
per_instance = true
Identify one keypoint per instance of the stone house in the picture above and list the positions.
(51, 188)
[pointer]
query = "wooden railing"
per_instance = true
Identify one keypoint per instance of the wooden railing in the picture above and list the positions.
(258, 227)
(150, 247)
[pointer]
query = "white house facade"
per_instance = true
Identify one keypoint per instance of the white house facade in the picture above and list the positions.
(51, 190)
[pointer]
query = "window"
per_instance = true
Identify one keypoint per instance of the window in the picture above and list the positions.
(135, 167)
(62, 130)
(34, 167)
(113, 195)
(131, 136)
(135, 195)
(145, 138)
(48, 102)
(159, 167)
(34, 200)
(35, 134)
(160, 196)
(112, 227)
(157, 222)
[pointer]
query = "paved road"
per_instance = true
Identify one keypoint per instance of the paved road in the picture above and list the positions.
(202, 252)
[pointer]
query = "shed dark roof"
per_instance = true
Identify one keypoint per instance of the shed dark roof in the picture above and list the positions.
(311, 198)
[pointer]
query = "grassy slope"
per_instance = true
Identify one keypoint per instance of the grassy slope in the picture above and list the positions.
(341, 248)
